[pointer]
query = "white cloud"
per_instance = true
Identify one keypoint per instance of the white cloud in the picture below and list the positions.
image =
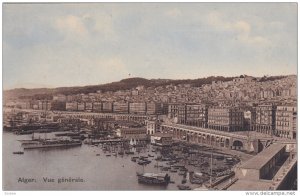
(101, 23)
(175, 12)
(242, 28)
(71, 25)
(244, 34)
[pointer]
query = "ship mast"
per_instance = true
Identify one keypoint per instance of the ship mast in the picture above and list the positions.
(211, 162)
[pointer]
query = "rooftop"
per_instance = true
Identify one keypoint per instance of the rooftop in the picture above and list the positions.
(162, 135)
(134, 129)
(261, 159)
(250, 185)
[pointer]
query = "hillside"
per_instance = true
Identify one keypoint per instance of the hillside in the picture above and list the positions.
(124, 84)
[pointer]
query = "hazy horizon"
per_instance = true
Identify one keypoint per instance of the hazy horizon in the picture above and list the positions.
(80, 44)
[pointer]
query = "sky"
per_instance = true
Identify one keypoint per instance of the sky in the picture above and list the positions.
(54, 45)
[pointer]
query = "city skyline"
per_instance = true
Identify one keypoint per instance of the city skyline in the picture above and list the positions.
(90, 44)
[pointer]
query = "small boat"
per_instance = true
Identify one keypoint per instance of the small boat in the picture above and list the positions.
(143, 162)
(183, 169)
(18, 152)
(165, 168)
(198, 174)
(133, 159)
(183, 187)
(158, 158)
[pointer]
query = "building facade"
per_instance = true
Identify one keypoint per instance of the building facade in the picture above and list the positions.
(265, 119)
(153, 126)
(161, 139)
(193, 115)
(173, 110)
(132, 133)
(121, 107)
(137, 108)
(226, 119)
(286, 122)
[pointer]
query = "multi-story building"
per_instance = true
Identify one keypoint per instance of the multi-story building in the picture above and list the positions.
(81, 106)
(23, 105)
(132, 133)
(154, 108)
(35, 105)
(107, 107)
(71, 106)
(173, 110)
(40, 105)
(97, 107)
(193, 114)
(121, 107)
(161, 139)
(137, 108)
(57, 105)
(61, 98)
(88, 106)
(153, 126)
(249, 118)
(49, 105)
(286, 121)
(226, 119)
(264, 119)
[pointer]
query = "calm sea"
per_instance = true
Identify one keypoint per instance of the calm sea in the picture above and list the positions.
(81, 163)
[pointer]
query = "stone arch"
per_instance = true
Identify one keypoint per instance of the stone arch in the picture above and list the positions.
(227, 142)
(199, 138)
(177, 134)
(203, 138)
(218, 141)
(188, 137)
(195, 138)
(208, 139)
(183, 134)
(222, 142)
(213, 140)
(237, 145)
(192, 137)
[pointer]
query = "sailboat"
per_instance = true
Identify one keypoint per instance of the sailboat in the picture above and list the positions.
(207, 187)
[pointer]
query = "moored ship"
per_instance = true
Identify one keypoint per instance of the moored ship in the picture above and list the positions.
(154, 178)
(53, 144)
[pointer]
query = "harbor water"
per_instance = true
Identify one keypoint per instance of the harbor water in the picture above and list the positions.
(76, 168)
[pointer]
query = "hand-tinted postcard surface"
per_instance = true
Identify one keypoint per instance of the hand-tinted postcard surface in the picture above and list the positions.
(149, 96)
